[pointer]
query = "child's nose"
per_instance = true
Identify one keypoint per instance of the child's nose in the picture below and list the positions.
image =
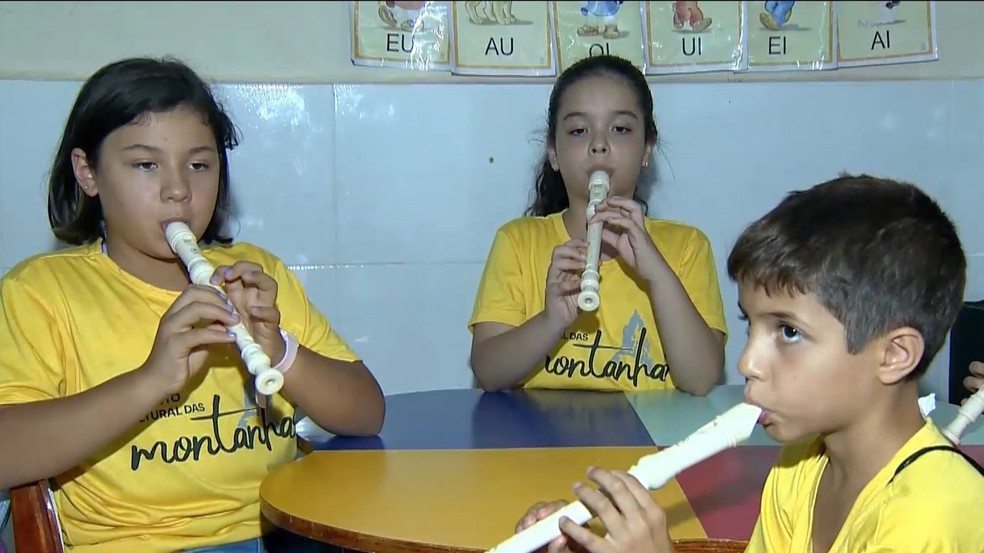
(175, 188)
(750, 362)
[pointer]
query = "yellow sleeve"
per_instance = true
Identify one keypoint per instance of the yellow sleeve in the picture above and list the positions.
(32, 364)
(500, 297)
(302, 318)
(905, 526)
(928, 508)
(698, 274)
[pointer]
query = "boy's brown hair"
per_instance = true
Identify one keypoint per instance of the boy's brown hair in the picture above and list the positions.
(879, 254)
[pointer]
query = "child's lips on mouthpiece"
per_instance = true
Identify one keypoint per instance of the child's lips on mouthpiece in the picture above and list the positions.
(167, 222)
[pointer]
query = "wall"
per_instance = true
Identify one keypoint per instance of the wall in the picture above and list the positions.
(336, 177)
(308, 42)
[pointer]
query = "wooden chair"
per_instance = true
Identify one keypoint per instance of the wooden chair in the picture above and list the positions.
(36, 528)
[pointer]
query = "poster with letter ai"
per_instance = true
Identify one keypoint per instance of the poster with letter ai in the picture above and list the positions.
(881, 33)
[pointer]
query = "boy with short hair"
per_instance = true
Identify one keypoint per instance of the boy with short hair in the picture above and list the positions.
(849, 289)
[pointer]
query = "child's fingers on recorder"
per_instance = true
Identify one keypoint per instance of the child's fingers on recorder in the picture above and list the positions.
(198, 292)
(191, 340)
(977, 369)
(567, 258)
(610, 236)
(538, 512)
(566, 287)
(199, 303)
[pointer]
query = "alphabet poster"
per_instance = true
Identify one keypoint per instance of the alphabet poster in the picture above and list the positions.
(410, 35)
(592, 28)
(784, 36)
(692, 37)
(503, 38)
(876, 33)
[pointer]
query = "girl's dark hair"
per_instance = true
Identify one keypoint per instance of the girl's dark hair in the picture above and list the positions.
(112, 97)
(549, 193)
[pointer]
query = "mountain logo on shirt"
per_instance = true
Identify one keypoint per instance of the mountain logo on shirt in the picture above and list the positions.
(211, 441)
(629, 361)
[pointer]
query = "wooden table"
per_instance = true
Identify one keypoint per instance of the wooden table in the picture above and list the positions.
(453, 470)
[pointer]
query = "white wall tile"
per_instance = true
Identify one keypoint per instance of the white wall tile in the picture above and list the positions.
(964, 164)
(975, 275)
(409, 321)
(415, 180)
(283, 170)
(321, 284)
(32, 116)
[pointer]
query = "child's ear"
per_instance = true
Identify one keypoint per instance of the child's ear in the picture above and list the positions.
(900, 350)
(552, 157)
(84, 172)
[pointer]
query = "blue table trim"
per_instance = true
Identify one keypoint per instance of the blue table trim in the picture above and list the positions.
(473, 419)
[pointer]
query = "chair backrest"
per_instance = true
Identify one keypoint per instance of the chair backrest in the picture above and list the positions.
(36, 527)
(4, 510)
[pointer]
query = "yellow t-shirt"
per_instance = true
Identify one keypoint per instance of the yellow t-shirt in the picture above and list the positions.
(188, 474)
(616, 347)
(930, 507)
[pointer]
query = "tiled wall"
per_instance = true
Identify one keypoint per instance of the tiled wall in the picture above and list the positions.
(385, 198)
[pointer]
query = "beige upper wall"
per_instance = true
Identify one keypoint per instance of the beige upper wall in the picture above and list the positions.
(308, 42)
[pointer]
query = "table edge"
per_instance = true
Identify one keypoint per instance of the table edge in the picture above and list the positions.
(349, 540)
